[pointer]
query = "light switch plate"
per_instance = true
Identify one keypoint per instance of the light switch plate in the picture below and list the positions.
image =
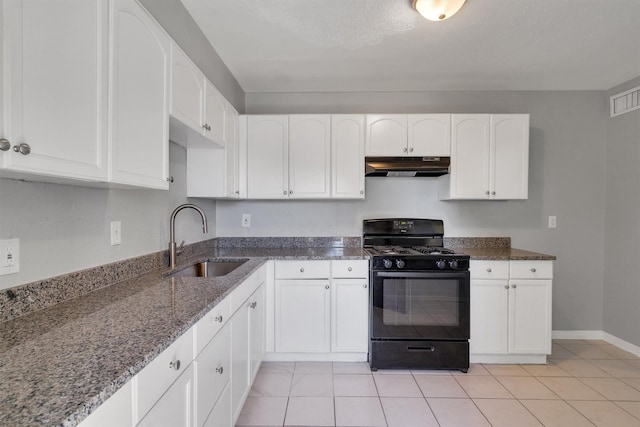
(246, 220)
(116, 233)
(552, 221)
(9, 256)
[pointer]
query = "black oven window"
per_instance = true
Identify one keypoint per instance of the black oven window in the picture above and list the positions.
(420, 302)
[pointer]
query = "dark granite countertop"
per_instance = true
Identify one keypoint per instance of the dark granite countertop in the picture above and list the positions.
(62, 362)
(500, 253)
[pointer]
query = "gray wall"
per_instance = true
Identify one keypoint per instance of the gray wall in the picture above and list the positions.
(622, 224)
(567, 169)
(65, 228)
(175, 19)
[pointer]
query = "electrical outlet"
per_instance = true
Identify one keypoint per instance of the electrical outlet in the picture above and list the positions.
(552, 221)
(246, 220)
(10, 253)
(116, 233)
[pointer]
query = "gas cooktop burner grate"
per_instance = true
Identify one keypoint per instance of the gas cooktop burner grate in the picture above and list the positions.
(414, 250)
(430, 250)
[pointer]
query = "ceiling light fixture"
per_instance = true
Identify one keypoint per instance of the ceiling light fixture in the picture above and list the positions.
(437, 10)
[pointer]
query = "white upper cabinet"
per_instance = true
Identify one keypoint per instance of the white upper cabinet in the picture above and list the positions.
(309, 156)
(429, 135)
(195, 103)
(347, 156)
(187, 90)
(55, 81)
(139, 94)
(214, 113)
(386, 135)
(509, 177)
(489, 157)
(412, 135)
(267, 157)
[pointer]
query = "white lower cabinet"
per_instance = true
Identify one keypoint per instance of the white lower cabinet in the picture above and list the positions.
(321, 310)
(510, 311)
(178, 389)
(176, 406)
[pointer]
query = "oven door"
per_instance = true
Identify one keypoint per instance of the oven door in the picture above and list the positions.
(420, 305)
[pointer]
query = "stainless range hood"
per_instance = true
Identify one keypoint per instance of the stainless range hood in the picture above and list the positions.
(406, 166)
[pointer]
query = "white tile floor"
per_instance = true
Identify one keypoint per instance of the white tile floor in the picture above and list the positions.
(586, 383)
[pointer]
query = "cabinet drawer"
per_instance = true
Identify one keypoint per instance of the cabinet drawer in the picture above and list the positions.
(346, 269)
(531, 270)
(213, 368)
(303, 269)
(209, 325)
(158, 375)
(489, 269)
(246, 288)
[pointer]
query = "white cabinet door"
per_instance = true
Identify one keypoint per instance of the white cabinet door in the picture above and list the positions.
(347, 156)
(176, 406)
(236, 160)
(303, 311)
(213, 372)
(55, 79)
(309, 156)
(267, 157)
(256, 331)
(349, 315)
(187, 90)
(429, 135)
(386, 135)
(470, 156)
(239, 359)
(139, 94)
(489, 316)
(221, 414)
(509, 177)
(530, 316)
(214, 114)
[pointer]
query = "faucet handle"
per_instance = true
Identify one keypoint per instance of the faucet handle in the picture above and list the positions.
(179, 250)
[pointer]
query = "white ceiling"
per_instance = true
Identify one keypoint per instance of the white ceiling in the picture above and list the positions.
(384, 45)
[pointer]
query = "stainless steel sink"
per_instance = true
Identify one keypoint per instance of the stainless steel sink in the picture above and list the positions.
(208, 269)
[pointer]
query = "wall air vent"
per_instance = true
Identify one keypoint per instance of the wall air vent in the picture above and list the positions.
(625, 102)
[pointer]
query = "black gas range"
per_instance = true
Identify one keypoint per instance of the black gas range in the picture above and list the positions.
(419, 296)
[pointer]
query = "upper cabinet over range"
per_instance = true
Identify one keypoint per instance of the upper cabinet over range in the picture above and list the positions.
(412, 135)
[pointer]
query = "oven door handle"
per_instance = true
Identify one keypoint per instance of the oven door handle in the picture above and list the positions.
(422, 274)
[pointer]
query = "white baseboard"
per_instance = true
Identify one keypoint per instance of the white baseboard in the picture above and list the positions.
(597, 335)
(578, 335)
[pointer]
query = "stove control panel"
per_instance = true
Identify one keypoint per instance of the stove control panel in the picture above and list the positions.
(420, 263)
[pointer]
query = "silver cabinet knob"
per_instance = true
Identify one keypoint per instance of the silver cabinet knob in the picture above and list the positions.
(23, 148)
(326, 287)
(218, 319)
(361, 191)
(513, 286)
(488, 270)
(411, 150)
(302, 270)
(219, 370)
(290, 191)
(237, 192)
(506, 286)
(404, 150)
(493, 193)
(533, 270)
(169, 179)
(175, 365)
(364, 286)
(349, 269)
(486, 192)
(206, 127)
(284, 192)
(253, 304)
(4, 144)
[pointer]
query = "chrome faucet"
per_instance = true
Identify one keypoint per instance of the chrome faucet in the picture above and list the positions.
(173, 252)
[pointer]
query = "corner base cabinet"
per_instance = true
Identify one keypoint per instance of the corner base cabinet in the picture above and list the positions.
(510, 311)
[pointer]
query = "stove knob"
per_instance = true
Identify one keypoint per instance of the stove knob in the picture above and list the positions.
(453, 263)
(441, 264)
(387, 263)
(400, 263)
